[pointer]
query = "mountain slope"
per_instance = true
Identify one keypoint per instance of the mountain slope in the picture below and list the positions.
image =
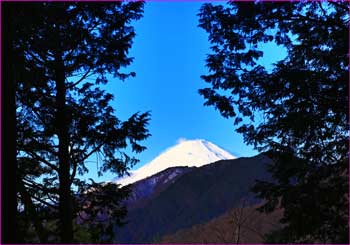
(239, 225)
(186, 153)
(146, 189)
(195, 197)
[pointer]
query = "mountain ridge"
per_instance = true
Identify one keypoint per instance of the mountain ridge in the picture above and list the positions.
(144, 190)
(190, 153)
(195, 197)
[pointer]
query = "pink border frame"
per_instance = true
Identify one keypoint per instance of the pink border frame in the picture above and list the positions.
(1, 152)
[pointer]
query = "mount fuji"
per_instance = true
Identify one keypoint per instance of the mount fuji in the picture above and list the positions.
(190, 153)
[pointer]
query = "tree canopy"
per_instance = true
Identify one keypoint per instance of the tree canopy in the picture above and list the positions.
(297, 112)
(62, 54)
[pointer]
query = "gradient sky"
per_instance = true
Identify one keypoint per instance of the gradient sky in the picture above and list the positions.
(170, 52)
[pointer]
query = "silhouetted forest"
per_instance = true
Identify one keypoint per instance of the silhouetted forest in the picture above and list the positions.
(303, 102)
(56, 114)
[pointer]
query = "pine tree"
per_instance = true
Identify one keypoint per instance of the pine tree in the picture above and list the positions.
(63, 53)
(8, 160)
(297, 112)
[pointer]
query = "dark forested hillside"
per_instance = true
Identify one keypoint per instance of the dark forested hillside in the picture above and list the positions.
(146, 189)
(196, 197)
(238, 225)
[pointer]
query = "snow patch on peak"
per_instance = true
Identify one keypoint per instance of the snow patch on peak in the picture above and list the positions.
(180, 140)
(189, 153)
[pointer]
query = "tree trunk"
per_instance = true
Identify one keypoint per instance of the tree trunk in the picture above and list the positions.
(8, 127)
(62, 125)
(238, 234)
(32, 213)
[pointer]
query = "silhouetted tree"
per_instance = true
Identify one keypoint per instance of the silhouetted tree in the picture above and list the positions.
(8, 160)
(64, 52)
(296, 112)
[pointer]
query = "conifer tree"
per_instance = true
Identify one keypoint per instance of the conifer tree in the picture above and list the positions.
(63, 53)
(297, 112)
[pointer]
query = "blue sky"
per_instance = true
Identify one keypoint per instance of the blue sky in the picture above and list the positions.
(170, 52)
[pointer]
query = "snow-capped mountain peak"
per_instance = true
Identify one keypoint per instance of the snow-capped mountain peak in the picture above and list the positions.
(186, 153)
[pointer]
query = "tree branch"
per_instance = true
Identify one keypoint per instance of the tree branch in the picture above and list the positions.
(92, 152)
(35, 185)
(253, 230)
(42, 62)
(340, 6)
(39, 158)
(44, 202)
(29, 206)
(80, 80)
(74, 172)
(322, 9)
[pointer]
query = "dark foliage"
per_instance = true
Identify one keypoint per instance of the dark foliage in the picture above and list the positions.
(62, 54)
(100, 209)
(8, 130)
(297, 112)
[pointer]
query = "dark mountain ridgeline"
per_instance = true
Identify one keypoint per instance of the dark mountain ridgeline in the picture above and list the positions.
(197, 196)
(146, 189)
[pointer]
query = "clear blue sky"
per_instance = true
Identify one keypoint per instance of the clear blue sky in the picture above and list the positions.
(170, 52)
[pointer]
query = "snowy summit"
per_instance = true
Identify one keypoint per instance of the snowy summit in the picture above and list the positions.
(186, 153)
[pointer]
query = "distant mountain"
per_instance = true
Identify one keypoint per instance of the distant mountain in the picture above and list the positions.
(146, 189)
(186, 153)
(196, 195)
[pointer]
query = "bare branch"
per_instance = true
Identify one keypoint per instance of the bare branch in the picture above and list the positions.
(253, 230)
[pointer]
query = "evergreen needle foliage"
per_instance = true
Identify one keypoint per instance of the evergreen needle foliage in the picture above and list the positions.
(62, 54)
(302, 103)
